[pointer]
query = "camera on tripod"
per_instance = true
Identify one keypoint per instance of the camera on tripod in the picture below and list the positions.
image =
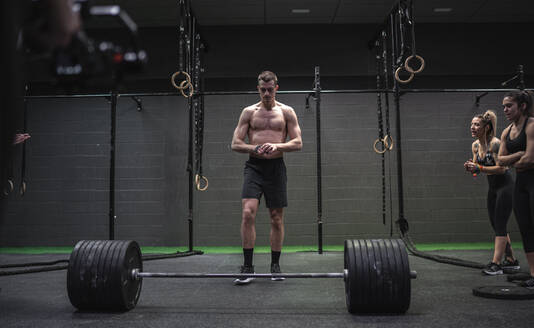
(85, 57)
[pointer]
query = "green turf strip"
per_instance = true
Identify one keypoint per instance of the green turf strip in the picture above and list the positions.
(35, 250)
(259, 249)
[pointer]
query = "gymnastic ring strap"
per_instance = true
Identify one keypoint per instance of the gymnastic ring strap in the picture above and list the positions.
(185, 74)
(378, 151)
(198, 179)
(23, 188)
(388, 142)
(9, 187)
(186, 85)
(408, 80)
(409, 69)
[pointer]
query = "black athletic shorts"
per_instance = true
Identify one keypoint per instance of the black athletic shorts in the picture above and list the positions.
(267, 177)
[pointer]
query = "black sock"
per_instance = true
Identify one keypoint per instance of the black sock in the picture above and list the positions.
(275, 257)
(248, 252)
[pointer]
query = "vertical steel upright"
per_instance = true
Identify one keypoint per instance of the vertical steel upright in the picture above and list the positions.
(317, 90)
(112, 142)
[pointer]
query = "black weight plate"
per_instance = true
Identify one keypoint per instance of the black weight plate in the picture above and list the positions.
(519, 276)
(401, 278)
(99, 275)
(83, 276)
(75, 287)
(131, 289)
(378, 279)
(384, 287)
(363, 284)
(352, 284)
(504, 292)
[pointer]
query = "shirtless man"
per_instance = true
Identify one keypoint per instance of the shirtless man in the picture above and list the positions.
(272, 128)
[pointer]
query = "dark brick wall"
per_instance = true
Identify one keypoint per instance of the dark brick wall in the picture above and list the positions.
(68, 172)
(68, 155)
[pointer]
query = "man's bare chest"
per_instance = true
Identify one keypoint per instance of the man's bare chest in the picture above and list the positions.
(273, 121)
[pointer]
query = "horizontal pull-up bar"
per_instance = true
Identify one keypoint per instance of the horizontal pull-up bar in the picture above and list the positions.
(305, 92)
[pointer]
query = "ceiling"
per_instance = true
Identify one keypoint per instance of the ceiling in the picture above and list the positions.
(156, 13)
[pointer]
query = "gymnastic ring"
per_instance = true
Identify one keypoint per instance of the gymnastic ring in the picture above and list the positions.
(22, 190)
(199, 178)
(408, 80)
(388, 142)
(9, 189)
(173, 77)
(409, 69)
(378, 140)
(184, 86)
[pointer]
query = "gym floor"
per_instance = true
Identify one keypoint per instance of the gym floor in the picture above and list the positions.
(441, 296)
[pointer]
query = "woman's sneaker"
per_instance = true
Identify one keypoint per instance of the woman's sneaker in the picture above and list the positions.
(492, 269)
(245, 280)
(510, 265)
(528, 283)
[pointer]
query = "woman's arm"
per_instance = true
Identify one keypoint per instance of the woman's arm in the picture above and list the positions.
(494, 149)
(527, 160)
(503, 158)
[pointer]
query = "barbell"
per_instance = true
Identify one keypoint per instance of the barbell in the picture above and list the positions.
(107, 275)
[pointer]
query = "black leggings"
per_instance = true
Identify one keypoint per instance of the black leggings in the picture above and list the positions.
(500, 194)
(524, 207)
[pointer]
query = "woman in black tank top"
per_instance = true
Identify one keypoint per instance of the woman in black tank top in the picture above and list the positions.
(500, 191)
(518, 151)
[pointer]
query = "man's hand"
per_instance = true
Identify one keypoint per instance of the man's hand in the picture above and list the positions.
(265, 148)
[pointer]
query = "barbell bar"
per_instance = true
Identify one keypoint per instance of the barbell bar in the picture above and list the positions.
(107, 275)
(136, 274)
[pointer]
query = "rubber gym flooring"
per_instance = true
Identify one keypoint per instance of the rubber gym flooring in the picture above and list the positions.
(441, 296)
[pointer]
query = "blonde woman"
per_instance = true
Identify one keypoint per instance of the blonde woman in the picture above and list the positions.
(500, 192)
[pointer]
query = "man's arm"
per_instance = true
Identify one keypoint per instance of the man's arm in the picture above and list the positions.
(238, 140)
(527, 160)
(293, 131)
(503, 158)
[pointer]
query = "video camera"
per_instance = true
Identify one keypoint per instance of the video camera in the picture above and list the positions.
(86, 57)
